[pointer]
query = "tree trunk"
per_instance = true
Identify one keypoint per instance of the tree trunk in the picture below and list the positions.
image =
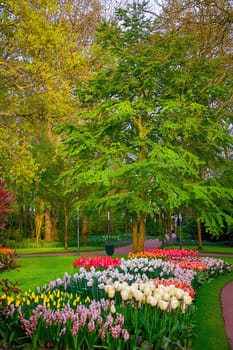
(39, 218)
(135, 233)
(85, 224)
(39, 221)
(48, 226)
(138, 232)
(141, 232)
(199, 236)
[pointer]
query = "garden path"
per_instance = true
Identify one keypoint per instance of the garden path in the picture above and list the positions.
(226, 294)
(227, 310)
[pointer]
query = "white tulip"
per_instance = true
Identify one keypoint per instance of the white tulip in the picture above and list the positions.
(187, 300)
(138, 295)
(175, 303)
(116, 285)
(124, 295)
(179, 293)
(142, 286)
(113, 309)
(152, 300)
(147, 291)
(111, 293)
(163, 305)
(166, 296)
(158, 297)
(134, 286)
(172, 290)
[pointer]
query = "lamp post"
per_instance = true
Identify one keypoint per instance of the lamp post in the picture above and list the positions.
(109, 246)
(78, 232)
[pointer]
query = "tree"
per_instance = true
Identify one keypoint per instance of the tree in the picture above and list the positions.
(42, 50)
(139, 115)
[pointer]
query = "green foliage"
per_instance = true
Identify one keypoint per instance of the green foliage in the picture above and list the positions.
(151, 133)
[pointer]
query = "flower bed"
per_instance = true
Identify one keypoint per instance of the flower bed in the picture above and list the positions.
(142, 302)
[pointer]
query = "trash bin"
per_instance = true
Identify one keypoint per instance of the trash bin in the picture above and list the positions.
(109, 247)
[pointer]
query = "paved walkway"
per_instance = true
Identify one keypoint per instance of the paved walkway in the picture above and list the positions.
(226, 294)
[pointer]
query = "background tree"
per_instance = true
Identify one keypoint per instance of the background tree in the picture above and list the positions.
(42, 48)
(210, 23)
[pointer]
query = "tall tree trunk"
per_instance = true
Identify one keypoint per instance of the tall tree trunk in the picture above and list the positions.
(39, 222)
(138, 232)
(141, 232)
(135, 232)
(48, 226)
(39, 218)
(199, 235)
(84, 231)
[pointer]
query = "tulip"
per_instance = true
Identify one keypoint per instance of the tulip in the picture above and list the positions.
(124, 295)
(111, 293)
(163, 305)
(179, 293)
(175, 303)
(187, 299)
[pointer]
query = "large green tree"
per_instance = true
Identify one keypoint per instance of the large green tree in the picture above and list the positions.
(145, 108)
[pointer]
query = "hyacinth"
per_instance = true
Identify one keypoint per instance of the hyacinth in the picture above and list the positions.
(97, 262)
(163, 253)
(164, 297)
(216, 266)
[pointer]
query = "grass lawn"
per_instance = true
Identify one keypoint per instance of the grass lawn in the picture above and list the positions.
(206, 248)
(46, 250)
(36, 271)
(210, 330)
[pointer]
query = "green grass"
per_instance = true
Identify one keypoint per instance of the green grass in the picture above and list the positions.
(36, 271)
(217, 249)
(210, 331)
(46, 250)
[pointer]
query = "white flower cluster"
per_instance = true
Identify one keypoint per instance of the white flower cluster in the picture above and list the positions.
(164, 297)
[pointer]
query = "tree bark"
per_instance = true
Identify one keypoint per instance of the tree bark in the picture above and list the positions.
(138, 232)
(199, 235)
(48, 226)
(39, 221)
(39, 218)
(85, 225)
